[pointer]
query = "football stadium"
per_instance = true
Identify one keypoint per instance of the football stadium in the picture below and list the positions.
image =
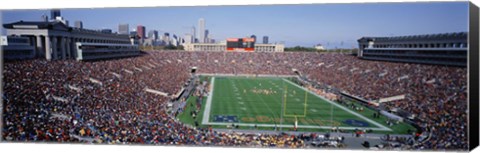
(67, 84)
(204, 98)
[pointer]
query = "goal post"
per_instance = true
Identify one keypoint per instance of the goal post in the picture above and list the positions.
(285, 101)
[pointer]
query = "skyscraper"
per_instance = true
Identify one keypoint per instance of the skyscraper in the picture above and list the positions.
(44, 18)
(79, 24)
(206, 40)
(54, 13)
(123, 29)
(141, 31)
(133, 33)
(153, 34)
(193, 35)
(175, 41)
(201, 30)
(254, 38)
(265, 39)
(166, 38)
(189, 39)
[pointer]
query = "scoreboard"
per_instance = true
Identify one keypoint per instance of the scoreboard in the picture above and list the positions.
(241, 44)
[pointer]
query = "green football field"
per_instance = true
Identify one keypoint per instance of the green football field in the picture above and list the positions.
(263, 102)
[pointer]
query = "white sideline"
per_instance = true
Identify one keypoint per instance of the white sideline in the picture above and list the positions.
(299, 126)
(208, 105)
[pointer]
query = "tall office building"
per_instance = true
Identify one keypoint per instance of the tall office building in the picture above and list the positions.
(123, 29)
(54, 13)
(201, 30)
(181, 40)
(153, 34)
(141, 31)
(44, 18)
(193, 34)
(254, 38)
(206, 37)
(79, 24)
(265, 39)
(133, 33)
(175, 41)
(166, 38)
(189, 39)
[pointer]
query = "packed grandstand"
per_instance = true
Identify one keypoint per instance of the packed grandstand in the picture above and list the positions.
(105, 101)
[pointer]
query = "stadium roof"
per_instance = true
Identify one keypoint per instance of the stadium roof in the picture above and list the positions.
(441, 36)
(37, 25)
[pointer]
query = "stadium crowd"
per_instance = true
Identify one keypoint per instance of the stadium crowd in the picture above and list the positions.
(70, 101)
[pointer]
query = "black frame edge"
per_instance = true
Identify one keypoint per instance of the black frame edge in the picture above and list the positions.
(473, 76)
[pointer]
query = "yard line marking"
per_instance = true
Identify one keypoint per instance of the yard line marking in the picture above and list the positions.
(344, 108)
(263, 102)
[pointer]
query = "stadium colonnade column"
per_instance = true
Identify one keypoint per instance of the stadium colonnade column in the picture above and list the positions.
(54, 47)
(39, 45)
(64, 49)
(74, 47)
(67, 54)
(48, 48)
(69, 47)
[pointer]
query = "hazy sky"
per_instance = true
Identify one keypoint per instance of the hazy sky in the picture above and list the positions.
(305, 25)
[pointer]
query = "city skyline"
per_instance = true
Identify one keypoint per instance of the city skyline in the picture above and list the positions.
(302, 25)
